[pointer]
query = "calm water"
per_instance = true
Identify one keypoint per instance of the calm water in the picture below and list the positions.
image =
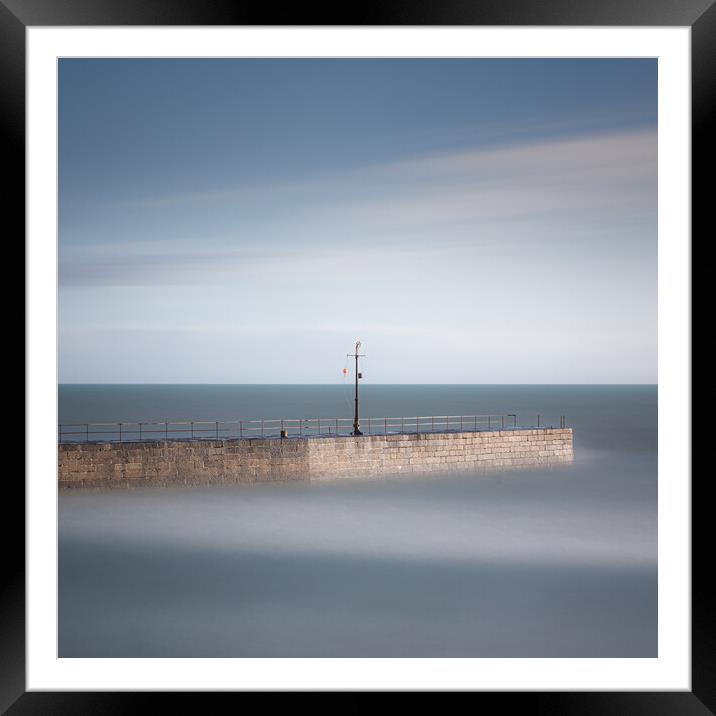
(535, 563)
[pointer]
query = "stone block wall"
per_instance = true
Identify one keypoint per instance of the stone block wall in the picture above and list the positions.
(190, 462)
(431, 452)
(201, 462)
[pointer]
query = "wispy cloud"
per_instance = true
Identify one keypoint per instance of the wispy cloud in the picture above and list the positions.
(399, 213)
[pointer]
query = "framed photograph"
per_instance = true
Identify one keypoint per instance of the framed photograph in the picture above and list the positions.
(249, 244)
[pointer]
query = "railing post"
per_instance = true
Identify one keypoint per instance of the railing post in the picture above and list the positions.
(307, 428)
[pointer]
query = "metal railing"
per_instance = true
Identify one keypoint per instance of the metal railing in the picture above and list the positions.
(294, 427)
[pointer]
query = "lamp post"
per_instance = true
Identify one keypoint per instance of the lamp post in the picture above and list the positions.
(356, 422)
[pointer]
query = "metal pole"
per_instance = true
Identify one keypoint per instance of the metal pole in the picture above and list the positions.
(356, 424)
(87, 432)
(120, 432)
(356, 421)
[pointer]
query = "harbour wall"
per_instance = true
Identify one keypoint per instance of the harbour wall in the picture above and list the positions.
(203, 462)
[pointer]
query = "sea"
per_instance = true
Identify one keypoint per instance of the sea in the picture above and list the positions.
(558, 562)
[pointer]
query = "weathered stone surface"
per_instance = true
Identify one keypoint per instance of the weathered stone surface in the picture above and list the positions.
(261, 459)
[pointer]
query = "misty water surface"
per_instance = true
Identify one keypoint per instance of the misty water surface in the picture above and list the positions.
(559, 562)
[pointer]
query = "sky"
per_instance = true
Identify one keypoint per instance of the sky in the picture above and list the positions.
(469, 220)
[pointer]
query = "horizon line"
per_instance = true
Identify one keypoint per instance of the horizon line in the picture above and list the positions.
(341, 384)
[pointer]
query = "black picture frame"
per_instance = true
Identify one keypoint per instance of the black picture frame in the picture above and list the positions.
(16, 15)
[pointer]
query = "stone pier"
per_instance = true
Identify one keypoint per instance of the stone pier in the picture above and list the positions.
(204, 462)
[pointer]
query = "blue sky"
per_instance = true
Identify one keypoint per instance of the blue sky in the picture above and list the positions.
(470, 221)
